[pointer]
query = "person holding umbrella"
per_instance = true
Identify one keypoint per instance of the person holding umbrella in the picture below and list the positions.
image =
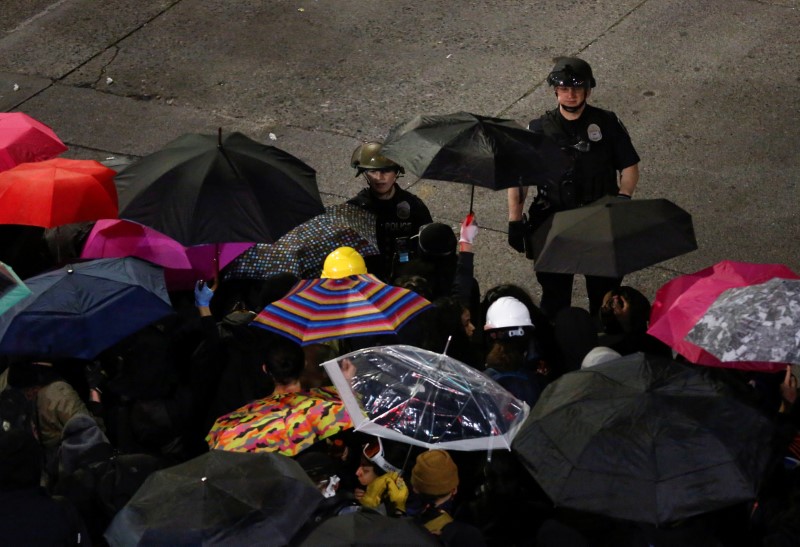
(604, 162)
(400, 214)
(381, 486)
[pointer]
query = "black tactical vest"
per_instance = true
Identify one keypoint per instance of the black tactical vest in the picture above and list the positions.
(587, 141)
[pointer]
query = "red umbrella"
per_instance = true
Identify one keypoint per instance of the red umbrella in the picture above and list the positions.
(682, 302)
(23, 139)
(183, 266)
(56, 192)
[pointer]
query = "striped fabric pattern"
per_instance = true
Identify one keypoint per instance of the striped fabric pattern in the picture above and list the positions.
(317, 310)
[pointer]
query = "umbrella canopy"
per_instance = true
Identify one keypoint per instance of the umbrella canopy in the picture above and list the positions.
(81, 309)
(286, 423)
(462, 147)
(212, 189)
(303, 250)
(12, 289)
(317, 310)
(219, 498)
(613, 237)
(183, 266)
(55, 192)
(368, 528)
(754, 323)
(426, 399)
(24, 139)
(682, 302)
(645, 439)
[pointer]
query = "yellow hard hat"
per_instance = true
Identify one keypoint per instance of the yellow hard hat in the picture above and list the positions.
(343, 262)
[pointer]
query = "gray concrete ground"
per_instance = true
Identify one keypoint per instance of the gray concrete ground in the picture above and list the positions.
(709, 90)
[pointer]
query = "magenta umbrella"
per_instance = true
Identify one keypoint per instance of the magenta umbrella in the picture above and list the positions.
(183, 265)
(24, 139)
(682, 302)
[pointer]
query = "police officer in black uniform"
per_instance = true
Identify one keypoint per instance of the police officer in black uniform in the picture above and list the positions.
(399, 213)
(604, 162)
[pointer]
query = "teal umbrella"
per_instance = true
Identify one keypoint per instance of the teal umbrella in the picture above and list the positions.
(12, 289)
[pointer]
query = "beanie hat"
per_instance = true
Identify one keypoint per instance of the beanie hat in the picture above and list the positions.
(598, 355)
(437, 239)
(435, 473)
(20, 460)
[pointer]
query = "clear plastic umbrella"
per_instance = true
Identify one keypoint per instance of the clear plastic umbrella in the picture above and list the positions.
(425, 399)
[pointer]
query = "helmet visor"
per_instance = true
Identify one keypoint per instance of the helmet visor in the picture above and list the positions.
(566, 79)
(373, 451)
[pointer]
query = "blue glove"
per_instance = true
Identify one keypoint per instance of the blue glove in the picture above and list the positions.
(202, 294)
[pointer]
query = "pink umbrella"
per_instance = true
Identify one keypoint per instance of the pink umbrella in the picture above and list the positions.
(183, 266)
(682, 302)
(23, 139)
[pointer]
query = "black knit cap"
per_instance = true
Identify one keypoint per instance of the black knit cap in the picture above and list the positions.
(437, 239)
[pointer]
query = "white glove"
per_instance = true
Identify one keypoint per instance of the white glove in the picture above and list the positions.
(469, 230)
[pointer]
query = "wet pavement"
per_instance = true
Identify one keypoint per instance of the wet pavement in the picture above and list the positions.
(709, 90)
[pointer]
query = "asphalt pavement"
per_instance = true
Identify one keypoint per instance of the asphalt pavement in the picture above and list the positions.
(708, 89)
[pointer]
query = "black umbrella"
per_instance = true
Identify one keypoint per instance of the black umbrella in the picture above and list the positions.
(483, 151)
(613, 237)
(367, 528)
(81, 309)
(213, 189)
(219, 498)
(645, 439)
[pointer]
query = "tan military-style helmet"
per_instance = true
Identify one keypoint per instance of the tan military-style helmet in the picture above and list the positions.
(368, 156)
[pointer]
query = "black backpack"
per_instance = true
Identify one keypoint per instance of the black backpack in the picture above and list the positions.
(17, 412)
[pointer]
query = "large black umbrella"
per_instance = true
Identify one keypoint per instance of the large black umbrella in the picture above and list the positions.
(613, 237)
(81, 309)
(213, 189)
(645, 439)
(219, 498)
(367, 528)
(494, 153)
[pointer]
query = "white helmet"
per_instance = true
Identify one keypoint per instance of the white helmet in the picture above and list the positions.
(507, 313)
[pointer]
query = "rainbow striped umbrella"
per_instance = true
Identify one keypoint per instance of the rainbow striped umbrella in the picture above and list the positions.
(317, 310)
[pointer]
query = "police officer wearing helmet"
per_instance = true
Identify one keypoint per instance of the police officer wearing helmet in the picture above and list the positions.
(399, 213)
(604, 163)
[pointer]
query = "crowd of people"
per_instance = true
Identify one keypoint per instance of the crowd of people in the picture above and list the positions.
(80, 437)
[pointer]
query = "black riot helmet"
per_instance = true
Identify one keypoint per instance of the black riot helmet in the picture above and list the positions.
(571, 72)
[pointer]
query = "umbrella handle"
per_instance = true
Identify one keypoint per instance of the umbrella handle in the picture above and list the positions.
(471, 198)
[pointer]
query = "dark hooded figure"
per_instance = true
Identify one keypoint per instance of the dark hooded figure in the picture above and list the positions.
(576, 336)
(28, 515)
(625, 316)
(96, 479)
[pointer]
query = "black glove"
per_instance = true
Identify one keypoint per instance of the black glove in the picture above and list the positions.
(516, 235)
(95, 376)
(624, 196)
